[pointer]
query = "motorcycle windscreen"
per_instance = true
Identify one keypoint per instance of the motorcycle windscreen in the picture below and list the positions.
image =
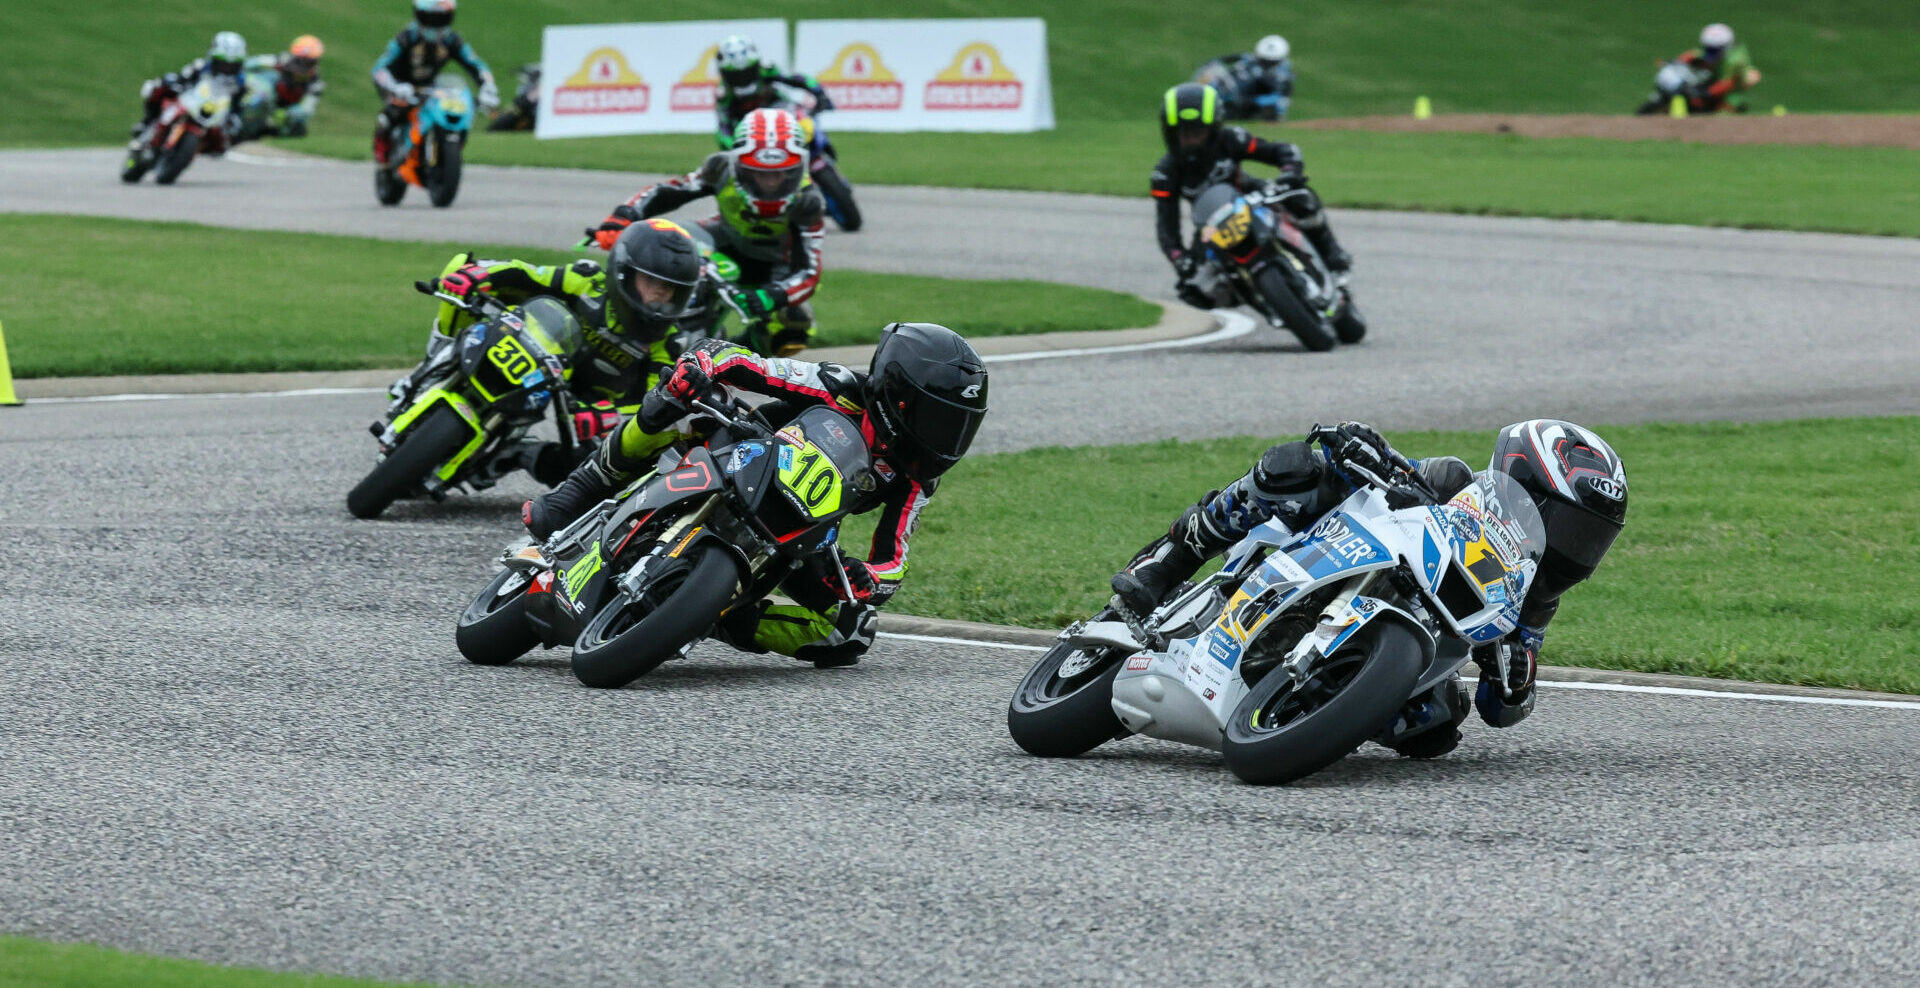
(550, 325)
(824, 471)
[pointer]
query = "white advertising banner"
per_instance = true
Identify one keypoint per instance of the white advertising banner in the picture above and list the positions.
(600, 79)
(959, 74)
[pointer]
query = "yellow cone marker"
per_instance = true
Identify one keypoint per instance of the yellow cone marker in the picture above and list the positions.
(6, 373)
(1677, 108)
(1779, 111)
(1422, 108)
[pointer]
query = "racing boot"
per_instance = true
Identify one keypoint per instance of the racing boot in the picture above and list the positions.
(1429, 725)
(1173, 558)
(382, 142)
(589, 484)
(1329, 249)
(1507, 673)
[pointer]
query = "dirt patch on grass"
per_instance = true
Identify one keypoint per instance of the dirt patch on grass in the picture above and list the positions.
(1838, 130)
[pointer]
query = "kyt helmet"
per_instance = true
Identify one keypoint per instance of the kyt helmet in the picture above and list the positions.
(769, 159)
(303, 57)
(651, 273)
(739, 62)
(1580, 487)
(228, 54)
(1715, 39)
(926, 397)
(1189, 118)
(1272, 49)
(435, 17)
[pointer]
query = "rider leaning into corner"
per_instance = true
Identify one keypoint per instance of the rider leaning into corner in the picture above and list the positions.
(626, 313)
(1263, 78)
(226, 58)
(748, 84)
(1202, 152)
(1732, 68)
(413, 59)
(1573, 476)
(919, 404)
(772, 221)
(297, 85)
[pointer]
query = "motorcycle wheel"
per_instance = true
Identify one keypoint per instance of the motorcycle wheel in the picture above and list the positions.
(135, 166)
(430, 442)
(444, 183)
(1349, 325)
(1060, 718)
(1280, 732)
(388, 187)
(632, 635)
(175, 159)
(839, 193)
(493, 630)
(1309, 326)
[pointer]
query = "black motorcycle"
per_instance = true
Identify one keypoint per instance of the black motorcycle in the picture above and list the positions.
(1254, 255)
(648, 573)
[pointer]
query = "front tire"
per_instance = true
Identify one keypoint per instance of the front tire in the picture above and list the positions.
(432, 441)
(493, 630)
(839, 193)
(136, 165)
(1062, 717)
(1282, 731)
(632, 635)
(444, 183)
(1309, 326)
(175, 159)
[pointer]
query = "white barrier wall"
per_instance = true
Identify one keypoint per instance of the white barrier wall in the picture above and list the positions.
(599, 79)
(902, 75)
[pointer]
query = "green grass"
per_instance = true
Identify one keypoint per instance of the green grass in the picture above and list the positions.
(28, 963)
(72, 76)
(1778, 552)
(84, 297)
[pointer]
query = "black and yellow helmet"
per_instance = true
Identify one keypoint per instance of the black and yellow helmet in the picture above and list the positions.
(1190, 104)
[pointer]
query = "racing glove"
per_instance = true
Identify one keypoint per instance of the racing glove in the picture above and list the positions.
(692, 378)
(615, 224)
(860, 580)
(401, 92)
(463, 282)
(758, 303)
(1507, 673)
(1184, 264)
(489, 96)
(600, 419)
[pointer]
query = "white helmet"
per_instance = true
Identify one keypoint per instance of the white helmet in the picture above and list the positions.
(1272, 48)
(1716, 36)
(229, 51)
(739, 61)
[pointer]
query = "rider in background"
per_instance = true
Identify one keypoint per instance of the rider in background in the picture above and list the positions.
(1732, 68)
(1201, 152)
(1573, 476)
(226, 58)
(296, 85)
(1258, 84)
(918, 406)
(748, 84)
(413, 59)
(771, 222)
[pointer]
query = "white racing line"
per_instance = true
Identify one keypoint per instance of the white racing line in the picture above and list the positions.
(1827, 701)
(1232, 324)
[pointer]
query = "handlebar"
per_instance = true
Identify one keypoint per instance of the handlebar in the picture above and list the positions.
(1405, 479)
(735, 414)
(479, 304)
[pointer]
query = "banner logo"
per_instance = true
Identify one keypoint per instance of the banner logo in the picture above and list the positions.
(858, 80)
(605, 83)
(977, 80)
(698, 89)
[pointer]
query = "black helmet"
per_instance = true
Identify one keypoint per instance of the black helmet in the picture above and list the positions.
(664, 253)
(927, 393)
(1580, 487)
(1189, 105)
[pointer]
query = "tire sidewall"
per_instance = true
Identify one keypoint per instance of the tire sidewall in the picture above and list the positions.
(712, 580)
(1331, 732)
(500, 635)
(1311, 329)
(1068, 725)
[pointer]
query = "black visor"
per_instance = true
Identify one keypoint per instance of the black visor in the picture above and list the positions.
(935, 433)
(434, 18)
(1576, 533)
(738, 78)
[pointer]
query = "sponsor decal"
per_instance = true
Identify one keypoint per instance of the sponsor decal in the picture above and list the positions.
(692, 478)
(744, 454)
(1605, 487)
(697, 90)
(579, 573)
(1465, 525)
(833, 429)
(886, 472)
(1139, 662)
(1223, 649)
(786, 459)
(977, 80)
(1209, 694)
(970, 391)
(605, 83)
(859, 80)
(1343, 541)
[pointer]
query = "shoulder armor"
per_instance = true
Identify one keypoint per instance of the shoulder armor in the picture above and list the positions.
(843, 381)
(809, 207)
(586, 267)
(714, 170)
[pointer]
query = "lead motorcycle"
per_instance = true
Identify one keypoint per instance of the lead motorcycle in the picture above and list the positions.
(462, 415)
(428, 151)
(1252, 254)
(645, 575)
(193, 122)
(1303, 646)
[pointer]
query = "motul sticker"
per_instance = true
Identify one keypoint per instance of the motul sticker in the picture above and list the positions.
(1139, 662)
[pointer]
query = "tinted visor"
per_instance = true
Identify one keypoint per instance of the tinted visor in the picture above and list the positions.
(224, 66)
(937, 433)
(434, 18)
(1576, 533)
(738, 78)
(302, 69)
(769, 184)
(1192, 135)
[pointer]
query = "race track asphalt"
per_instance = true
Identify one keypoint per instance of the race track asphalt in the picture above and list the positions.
(233, 725)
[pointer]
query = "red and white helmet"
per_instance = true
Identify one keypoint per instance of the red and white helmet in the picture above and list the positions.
(769, 159)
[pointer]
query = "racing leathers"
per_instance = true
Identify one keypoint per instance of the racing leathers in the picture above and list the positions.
(293, 100)
(154, 93)
(731, 105)
(609, 377)
(1733, 75)
(1253, 89)
(411, 61)
(1296, 483)
(1184, 175)
(821, 626)
(779, 256)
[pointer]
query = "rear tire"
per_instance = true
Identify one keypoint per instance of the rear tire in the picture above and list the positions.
(630, 636)
(1309, 326)
(388, 186)
(1349, 325)
(839, 192)
(436, 437)
(175, 159)
(1280, 732)
(1055, 718)
(444, 183)
(493, 630)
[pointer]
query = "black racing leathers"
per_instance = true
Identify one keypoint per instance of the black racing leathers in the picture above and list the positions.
(1184, 175)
